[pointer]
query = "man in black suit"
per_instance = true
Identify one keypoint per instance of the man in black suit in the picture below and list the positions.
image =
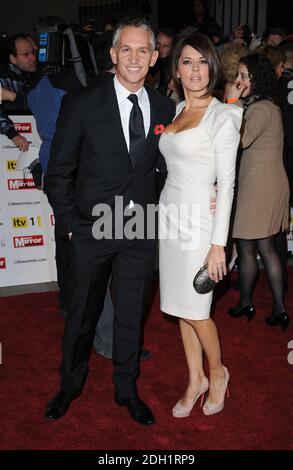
(106, 145)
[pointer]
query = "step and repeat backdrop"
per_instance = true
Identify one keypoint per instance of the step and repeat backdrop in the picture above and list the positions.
(27, 246)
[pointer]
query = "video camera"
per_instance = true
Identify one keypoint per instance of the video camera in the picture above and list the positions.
(65, 50)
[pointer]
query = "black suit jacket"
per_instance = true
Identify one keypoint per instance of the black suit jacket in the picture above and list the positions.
(89, 162)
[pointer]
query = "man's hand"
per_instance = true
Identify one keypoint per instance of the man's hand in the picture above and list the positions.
(21, 143)
(7, 95)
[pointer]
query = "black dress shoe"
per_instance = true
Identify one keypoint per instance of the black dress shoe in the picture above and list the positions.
(249, 311)
(278, 319)
(138, 410)
(60, 404)
(145, 355)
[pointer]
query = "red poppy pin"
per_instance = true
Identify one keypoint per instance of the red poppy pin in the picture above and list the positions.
(159, 129)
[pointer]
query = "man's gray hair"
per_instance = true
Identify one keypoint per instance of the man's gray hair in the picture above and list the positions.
(136, 23)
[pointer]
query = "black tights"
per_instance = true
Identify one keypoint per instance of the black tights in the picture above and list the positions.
(281, 246)
(248, 270)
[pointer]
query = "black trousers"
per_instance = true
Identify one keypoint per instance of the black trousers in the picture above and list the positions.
(103, 340)
(92, 262)
(62, 250)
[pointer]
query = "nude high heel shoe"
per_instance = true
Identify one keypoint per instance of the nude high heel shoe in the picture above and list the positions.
(180, 411)
(210, 408)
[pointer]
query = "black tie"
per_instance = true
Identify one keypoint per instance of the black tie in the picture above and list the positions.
(136, 130)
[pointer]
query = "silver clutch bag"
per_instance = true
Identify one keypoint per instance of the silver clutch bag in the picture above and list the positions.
(202, 283)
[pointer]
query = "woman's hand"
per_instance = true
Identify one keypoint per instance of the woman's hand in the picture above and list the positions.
(216, 261)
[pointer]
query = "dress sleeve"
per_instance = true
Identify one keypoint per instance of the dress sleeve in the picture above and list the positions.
(226, 138)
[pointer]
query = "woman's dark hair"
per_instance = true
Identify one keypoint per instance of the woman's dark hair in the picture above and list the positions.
(204, 46)
(262, 76)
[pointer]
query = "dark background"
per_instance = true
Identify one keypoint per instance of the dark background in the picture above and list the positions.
(175, 14)
(280, 13)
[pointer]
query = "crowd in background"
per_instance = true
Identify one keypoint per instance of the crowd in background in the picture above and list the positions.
(240, 70)
(19, 68)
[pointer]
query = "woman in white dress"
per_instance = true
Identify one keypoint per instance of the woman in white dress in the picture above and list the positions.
(200, 147)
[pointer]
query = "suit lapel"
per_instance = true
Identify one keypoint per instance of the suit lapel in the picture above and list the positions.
(153, 108)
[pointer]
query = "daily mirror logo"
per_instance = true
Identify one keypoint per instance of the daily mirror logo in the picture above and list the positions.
(17, 184)
(30, 240)
(23, 127)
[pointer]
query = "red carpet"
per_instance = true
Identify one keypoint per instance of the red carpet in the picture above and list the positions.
(259, 414)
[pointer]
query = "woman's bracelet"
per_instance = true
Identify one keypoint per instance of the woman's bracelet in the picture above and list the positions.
(231, 100)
